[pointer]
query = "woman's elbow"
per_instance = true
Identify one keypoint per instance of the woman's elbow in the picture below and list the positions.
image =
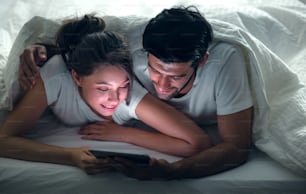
(3, 136)
(198, 145)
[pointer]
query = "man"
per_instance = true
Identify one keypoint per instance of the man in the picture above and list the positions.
(207, 80)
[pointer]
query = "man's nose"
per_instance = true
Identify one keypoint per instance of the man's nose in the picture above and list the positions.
(163, 82)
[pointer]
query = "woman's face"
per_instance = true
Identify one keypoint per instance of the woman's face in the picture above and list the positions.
(104, 90)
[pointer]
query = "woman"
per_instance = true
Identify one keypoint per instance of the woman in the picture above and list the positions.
(90, 85)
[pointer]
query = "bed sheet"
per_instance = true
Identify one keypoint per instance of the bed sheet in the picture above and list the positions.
(259, 175)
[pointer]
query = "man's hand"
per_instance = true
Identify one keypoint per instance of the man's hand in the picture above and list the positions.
(30, 59)
(157, 169)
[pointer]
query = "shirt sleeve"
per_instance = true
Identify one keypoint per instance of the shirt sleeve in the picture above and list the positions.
(126, 112)
(51, 75)
(232, 85)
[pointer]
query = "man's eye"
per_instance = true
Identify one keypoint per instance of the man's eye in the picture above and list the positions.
(153, 70)
(177, 77)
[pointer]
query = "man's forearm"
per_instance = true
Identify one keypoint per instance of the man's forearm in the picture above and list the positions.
(219, 158)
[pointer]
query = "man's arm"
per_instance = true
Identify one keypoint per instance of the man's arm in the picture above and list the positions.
(235, 132)
(50, 51)
(30, 60)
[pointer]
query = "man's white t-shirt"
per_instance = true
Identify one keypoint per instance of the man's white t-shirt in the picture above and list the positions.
(221, 86)
(65, 101)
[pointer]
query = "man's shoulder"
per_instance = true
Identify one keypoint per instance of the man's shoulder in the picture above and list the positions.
(222, 50)
(217, 45)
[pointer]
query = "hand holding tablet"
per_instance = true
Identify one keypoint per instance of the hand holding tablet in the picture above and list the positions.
(140, 159)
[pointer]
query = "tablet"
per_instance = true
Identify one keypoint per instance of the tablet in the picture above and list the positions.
(137, 158)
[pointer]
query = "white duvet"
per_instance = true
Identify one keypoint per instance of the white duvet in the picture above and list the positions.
(274, 41)
(279, 127)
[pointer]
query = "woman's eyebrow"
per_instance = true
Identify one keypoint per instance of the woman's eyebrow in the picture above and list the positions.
(107, 83)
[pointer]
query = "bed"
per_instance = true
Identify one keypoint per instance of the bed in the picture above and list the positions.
(277, 161)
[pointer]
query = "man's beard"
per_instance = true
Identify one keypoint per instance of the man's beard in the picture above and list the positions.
(167, 97)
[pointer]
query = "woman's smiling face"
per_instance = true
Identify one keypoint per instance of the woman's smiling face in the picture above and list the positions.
(104, 89)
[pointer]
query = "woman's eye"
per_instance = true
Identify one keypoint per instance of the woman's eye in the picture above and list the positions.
(103, 89)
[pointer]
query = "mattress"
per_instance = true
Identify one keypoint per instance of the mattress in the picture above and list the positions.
(260, 174)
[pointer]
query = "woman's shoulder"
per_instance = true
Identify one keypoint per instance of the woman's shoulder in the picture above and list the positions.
(54, 66)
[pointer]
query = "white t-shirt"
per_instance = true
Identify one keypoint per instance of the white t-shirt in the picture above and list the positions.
(64, 99)
(221, 86)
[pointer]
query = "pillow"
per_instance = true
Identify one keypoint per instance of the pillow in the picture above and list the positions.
(33, 31)
(5, 42)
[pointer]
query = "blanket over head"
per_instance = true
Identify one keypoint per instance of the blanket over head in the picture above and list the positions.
(279, 127)
(271, 45)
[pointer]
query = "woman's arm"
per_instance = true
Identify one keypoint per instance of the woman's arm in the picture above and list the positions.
(21, 120)
(178, 135)
(236, 135)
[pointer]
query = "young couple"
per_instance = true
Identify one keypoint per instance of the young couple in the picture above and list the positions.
(206, 80)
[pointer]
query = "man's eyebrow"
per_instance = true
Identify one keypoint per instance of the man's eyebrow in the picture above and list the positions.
(151, 66)
(182, 75)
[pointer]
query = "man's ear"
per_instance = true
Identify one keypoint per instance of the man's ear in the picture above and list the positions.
(203, 60)
(76, 78)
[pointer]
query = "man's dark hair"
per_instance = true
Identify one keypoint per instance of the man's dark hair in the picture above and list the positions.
(178, 35)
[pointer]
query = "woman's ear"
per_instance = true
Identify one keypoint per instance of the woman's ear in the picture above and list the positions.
(76, 78)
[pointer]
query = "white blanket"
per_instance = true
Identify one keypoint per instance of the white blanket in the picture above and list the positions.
(274, 42)
(278, 43)
(271, 42)
(279, 127)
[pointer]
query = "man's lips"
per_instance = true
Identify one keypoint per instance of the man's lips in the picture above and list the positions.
(162, 91)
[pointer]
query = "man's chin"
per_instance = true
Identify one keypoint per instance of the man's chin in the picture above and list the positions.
(164, 96)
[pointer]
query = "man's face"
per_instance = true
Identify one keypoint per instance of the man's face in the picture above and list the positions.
(169, 78)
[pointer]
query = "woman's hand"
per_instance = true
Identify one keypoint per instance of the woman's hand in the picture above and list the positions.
(105, 130)
(85, 160)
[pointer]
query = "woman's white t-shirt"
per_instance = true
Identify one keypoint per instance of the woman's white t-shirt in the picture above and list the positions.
(65, 101)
